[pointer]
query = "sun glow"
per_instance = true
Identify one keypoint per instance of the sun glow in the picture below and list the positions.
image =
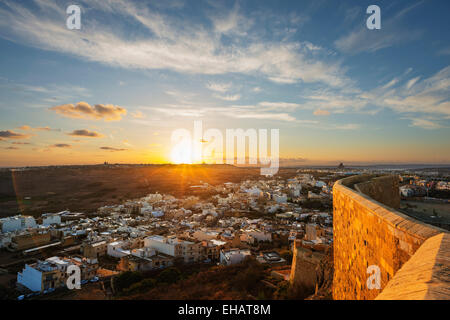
(182, 152)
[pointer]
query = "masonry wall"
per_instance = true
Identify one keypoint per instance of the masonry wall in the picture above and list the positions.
(367, 232)
(304, 263)
(382, 189)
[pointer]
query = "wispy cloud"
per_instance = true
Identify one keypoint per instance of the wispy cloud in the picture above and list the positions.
(26, 128)
(185, 48)
(137, 115)
(429, 124)
(50, 93)
(234, 97)
(391, 83)
(349, 126)
(430, 95)
(319, 112)
(412, 82)
(112, 149)
(392, 33)
(265, 116)
(218, 87)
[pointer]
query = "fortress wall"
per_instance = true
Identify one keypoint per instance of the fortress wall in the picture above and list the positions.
(426, 276)
(382, 189)
(304, 264)
(367, 232)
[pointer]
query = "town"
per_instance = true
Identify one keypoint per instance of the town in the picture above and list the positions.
(213, 226)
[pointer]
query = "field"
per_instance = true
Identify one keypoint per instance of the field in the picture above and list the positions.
(428, 209)
(85, 188)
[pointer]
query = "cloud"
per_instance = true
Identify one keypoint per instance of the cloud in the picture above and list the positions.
(60, 145)
(218, 87)
(229, 97)
(320, 112)
(137, 115)
(85, 133)
(349, 126)
(83, 110)
(412, 82)
(279, 105)
(170, 43)
(231, 22)
(391, 83)
(264, 116)
(11, 148)
(112, 149)
(429, 95)
(424, 123)
(8, 134)
(256, 89)
(45, 129)
(392, 33)
(51, 93)
(26, 128)
(21, 143)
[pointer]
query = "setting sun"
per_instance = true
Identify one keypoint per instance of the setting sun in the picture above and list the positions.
(182, 153)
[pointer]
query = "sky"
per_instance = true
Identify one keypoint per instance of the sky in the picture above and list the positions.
(116, 89)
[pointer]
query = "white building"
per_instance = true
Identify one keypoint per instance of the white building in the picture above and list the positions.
(50, 219)
(172, 246)
(146, 208)
(153, 198)
(157, 213)
(320, 184)
(16, 223)
(32, 276)
(280, 198)
(115, 249)
(255, 192)
(252, 235)
(52, 273)
(233, 256)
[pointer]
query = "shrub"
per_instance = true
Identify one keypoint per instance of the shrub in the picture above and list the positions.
(170, 275)
(140, 287)
(126, 279)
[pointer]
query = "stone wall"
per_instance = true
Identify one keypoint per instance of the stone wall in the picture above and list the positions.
(367, 232)
(426, 276)
(382, 189)
(304, 264)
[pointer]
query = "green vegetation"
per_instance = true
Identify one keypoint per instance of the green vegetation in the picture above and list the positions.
(242, 281)
(126, 279)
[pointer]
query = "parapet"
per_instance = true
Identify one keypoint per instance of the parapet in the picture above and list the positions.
(370, 232)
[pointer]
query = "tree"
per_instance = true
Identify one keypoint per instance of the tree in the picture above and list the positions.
(170, 275)
(126, 279)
